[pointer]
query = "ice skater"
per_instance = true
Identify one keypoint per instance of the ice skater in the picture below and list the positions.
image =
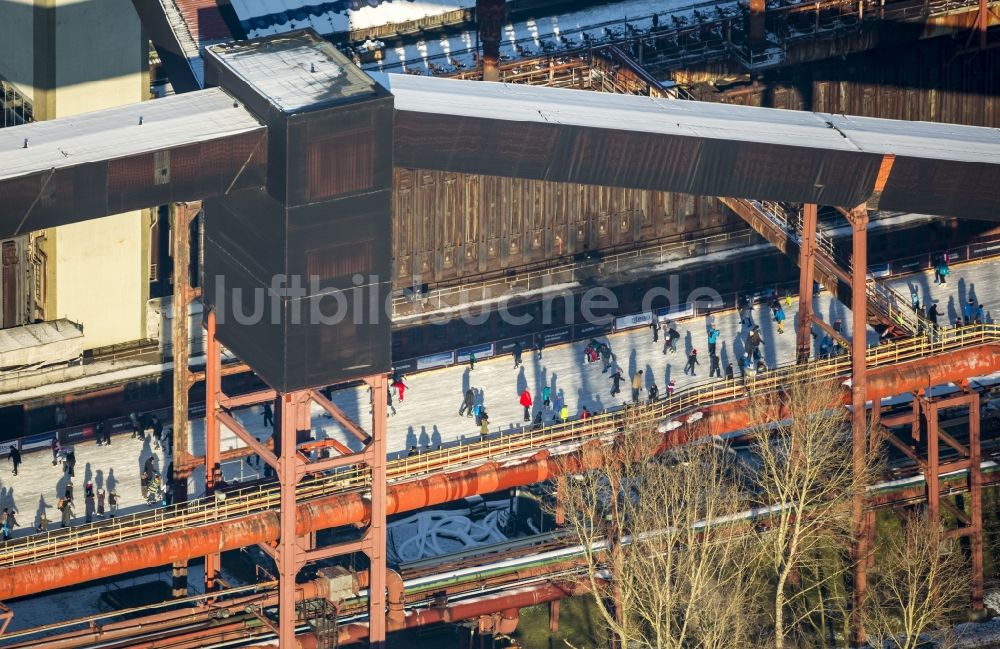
(636, 386)
(616, 380)
(670, 342)
(400, 388)
(713, 339)
(691, 362)
(15, 457)
(468, 401)
(526, 404)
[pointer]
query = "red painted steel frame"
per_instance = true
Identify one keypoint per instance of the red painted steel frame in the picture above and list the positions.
(859, 397)
(295, 545)
(971, 524)
(807, 266)
(349, 508)
(213, 467)
(184, 294)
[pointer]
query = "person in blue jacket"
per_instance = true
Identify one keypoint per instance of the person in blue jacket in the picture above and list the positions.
(713, 339)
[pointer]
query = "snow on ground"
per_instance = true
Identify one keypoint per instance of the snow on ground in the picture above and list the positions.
(428, 416)
(434, 533)
(263, 17)
(532, 35)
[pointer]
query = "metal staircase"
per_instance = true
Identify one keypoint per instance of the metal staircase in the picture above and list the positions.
(781, 224)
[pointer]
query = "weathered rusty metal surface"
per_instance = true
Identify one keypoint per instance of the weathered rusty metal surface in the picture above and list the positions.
(488, 604)
(450, 225)
(925, 81)
(353, 508)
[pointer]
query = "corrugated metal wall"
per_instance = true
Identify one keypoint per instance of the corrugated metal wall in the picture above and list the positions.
(448, 226)
(925, 81)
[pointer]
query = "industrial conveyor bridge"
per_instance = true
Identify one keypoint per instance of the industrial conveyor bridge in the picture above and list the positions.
(294, 155)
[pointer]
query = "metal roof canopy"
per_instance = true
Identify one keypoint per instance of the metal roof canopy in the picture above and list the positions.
(693, 147)
(492, 129)
(295, 71)
(180, 148)
(102, 135)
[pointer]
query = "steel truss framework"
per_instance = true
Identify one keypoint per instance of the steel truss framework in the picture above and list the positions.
(865, 432)
(291, 418)
(923, 447)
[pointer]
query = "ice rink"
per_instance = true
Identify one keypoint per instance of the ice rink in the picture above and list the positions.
(429, 414)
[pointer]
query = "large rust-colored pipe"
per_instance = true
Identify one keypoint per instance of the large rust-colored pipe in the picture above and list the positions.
(351, 508)
(886, 381)
(324, 513)
(512, 599)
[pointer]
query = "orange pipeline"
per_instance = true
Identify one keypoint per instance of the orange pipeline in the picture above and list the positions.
(350, 508)
(516, 598)
(333, 511)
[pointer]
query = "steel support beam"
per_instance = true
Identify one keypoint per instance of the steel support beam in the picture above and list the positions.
(807, 266)
(490, 18)
(859, 397)
(184, 294)
(971, 523)
(376, 534)
(213, 465)
(290, 556)
(976, 504)
(258, 447)
(296, 548)
(758, 10)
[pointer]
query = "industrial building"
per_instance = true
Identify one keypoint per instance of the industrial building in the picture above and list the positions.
(431, 170)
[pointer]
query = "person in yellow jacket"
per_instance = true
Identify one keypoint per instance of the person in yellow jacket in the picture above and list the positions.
(564, 413)
(636, 386)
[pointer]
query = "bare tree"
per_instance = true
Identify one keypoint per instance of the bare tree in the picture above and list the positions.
(920, 582)
(666, 544)
(801, 471)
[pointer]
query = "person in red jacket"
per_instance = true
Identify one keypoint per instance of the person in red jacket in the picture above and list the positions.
(526, 402)
(400, 388)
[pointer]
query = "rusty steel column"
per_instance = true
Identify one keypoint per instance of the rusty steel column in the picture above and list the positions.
(289, 555)
(375, 537)
(859, 398)
(184, 294)
(976, 506)
(213, 467)
(490, 17)
(933, 477)
(969, 459)
(807, 267)
(758, 9)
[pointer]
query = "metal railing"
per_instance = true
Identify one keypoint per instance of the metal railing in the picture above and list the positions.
(192, 513)
(574, 271)
(886, 304)
(414, 26)
(261, 498)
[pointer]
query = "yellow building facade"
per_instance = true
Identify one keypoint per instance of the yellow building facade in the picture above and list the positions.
(69, 57)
